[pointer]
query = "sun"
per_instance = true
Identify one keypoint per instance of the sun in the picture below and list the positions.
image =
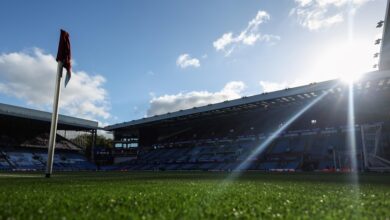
(350, 62)
(345, 61)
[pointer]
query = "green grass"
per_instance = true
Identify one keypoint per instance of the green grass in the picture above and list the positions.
(193, 195)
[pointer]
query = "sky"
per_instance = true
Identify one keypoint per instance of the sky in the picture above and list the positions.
(134, 59)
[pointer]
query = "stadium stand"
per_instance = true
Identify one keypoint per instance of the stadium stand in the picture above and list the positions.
(285, 154)
(24, 140)
(224, 136)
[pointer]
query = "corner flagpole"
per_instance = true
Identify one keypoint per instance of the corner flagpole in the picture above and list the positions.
(54, 120)
(64, 61)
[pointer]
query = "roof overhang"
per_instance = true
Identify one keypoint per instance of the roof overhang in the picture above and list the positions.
(31, 114)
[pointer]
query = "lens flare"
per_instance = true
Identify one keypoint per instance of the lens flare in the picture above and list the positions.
(351, 144)
(351, 138)
(246, 163)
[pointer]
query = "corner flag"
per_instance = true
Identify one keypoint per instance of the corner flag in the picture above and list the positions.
(63, 60)
(64, 54)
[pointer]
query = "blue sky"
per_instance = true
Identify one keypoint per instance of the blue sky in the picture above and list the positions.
(127, 53)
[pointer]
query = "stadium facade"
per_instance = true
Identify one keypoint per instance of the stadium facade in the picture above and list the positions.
(24, 140)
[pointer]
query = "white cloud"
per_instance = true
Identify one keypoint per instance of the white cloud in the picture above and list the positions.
(317, 14)
(185, 60)
(223, 41)
(249, 36)
(171, 103)
(30, 76)
(268, 86)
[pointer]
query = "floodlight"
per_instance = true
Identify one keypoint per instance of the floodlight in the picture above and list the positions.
(380, 24)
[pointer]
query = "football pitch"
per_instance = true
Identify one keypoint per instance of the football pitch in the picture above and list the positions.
(193, 195)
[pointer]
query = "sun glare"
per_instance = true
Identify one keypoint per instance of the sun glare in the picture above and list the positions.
(347, 62)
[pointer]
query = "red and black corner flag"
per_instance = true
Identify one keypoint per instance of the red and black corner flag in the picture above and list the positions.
(64, 54)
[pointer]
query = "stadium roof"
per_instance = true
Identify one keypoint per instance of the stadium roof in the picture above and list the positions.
(372, 79)
(67, 122)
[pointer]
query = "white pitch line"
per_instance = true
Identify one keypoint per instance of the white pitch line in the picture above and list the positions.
(19, 175)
